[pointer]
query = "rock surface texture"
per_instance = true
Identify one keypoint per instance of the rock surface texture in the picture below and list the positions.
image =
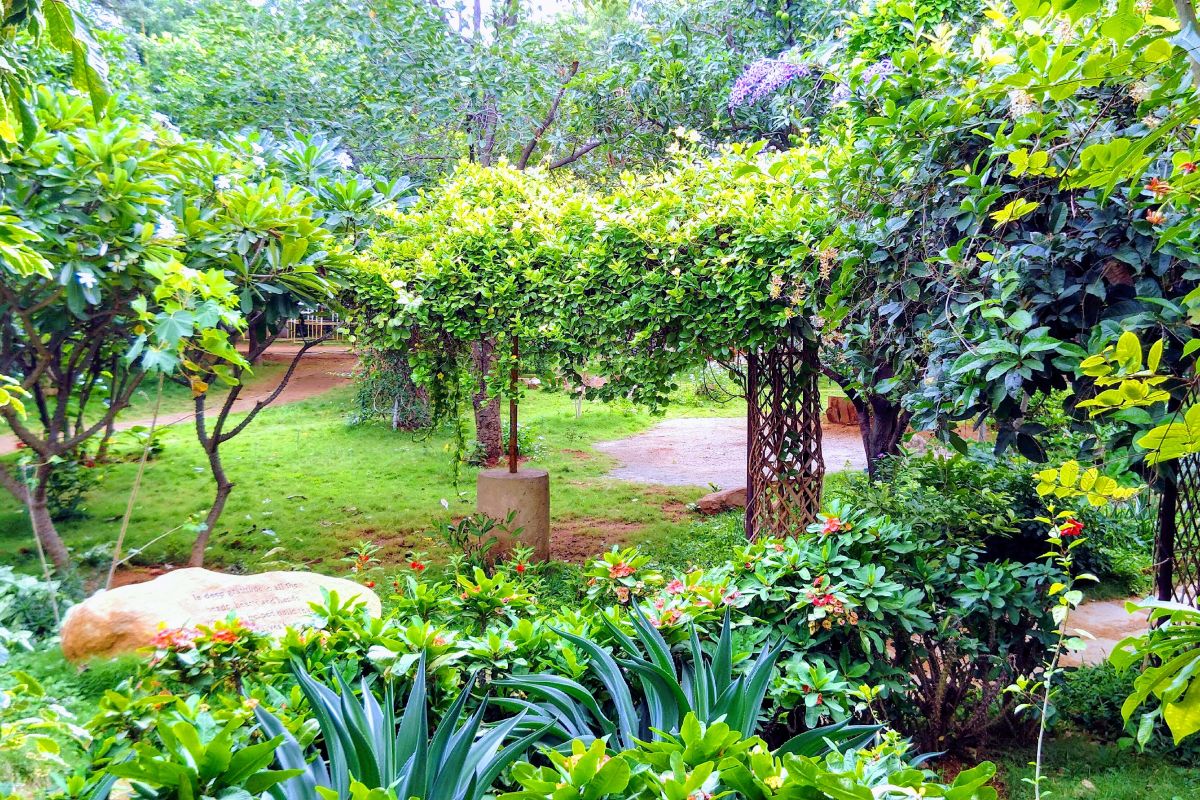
(125, 619)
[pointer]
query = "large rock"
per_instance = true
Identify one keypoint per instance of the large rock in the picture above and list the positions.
(125, 619)
(841, 411)
(724, 500)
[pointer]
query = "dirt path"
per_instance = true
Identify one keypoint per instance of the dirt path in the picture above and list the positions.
(321, 369)
(712, 450)
(1109, 623)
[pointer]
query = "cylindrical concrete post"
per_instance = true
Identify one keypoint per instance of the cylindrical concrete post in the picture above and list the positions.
(526, 492)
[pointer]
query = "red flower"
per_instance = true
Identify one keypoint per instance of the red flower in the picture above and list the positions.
(226, 636)
(833, 525)
(621, 570)
(370, 584)
(520, 568)
(1188, 168)
(1071, 527)
(675, 587)
(416, 566)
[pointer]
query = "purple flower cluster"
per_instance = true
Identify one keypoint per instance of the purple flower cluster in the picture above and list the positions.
(878, 69)
(763, 78)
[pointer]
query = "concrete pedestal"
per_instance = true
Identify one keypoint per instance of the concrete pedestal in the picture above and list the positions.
(527, 492)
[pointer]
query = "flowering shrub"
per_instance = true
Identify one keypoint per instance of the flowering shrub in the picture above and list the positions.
(208, 658)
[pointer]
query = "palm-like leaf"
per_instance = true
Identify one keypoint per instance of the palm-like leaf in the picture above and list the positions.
(667, 688)
(366, 745)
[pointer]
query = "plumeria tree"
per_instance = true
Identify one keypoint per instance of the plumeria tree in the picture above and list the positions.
(97, 292)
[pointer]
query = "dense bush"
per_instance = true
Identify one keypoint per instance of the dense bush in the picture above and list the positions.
(981, 499)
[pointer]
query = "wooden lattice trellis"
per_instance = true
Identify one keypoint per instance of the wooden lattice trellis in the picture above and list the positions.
(784, 465)
(1177, 541)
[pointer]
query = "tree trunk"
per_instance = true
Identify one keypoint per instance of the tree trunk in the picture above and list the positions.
(882, 424)
(224, 489)
(43, 525)
(487, 409)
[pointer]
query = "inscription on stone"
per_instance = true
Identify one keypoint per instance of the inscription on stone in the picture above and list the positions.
(128, 618)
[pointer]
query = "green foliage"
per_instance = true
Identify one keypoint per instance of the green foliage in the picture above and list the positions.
(713, 760)
(1168, 680)
(366, 743)
(27, 604)
(699, 685)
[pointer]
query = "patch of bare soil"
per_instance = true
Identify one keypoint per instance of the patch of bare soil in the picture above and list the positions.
(712, 450)
(578, 540)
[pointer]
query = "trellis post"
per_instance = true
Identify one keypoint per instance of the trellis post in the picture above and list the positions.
(785, 469)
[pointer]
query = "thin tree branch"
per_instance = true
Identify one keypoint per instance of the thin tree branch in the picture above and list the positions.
(577, 154)
(266, 401)
(523, 161)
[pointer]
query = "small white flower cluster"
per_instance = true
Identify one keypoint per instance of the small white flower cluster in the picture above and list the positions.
(343, 159)
(165, 229)
(223, 182)
(87, 279)
(1021, 103)
(123, 261)
(410, 301)
(1140, 91)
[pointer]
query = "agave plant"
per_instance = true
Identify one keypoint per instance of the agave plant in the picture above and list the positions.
(368, 748)
(707, 687)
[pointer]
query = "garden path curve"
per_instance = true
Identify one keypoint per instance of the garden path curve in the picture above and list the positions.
(697, 451)
(321, 369)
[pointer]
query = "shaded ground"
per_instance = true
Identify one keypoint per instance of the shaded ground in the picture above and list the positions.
(320, 370)
(712, 450)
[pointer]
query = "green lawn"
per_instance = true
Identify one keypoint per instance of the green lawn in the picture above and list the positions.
(1078, 769)
(309, 486)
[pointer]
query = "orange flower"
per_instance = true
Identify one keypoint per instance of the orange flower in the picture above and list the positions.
(833, 525)
(621, 570)
(226, 636)
(1159, 188)
(1188, 168)
(1155, 217)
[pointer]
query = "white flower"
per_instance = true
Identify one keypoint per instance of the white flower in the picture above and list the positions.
(86, 278)
(223, 182)
(165, 228)
(445, 504)
(147, 135)
(1140, 91)
(256, 147)
(343, 160)
(259, 161)
(1151, 121)
(164, 120)
(1021, 103)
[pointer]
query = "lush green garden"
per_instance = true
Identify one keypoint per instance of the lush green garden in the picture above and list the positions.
(976, 223)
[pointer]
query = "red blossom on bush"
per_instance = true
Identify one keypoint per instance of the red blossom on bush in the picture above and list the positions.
(833, 525)
(621, 570)
(1188, 168)
(1155, 217)
(521, 568)
(675, 587)
(416, 566)
(1071, 527)
(369, 584)
(226, 636)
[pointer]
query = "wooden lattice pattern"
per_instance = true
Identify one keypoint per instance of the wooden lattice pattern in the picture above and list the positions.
(1177, 543)
(784, 465)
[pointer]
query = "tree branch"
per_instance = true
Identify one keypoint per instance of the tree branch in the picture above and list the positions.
(577, 154)
(523, 161)
(266, 401)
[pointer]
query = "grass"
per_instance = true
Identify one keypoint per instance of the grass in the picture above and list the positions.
(309, 487)
(1078, 769)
